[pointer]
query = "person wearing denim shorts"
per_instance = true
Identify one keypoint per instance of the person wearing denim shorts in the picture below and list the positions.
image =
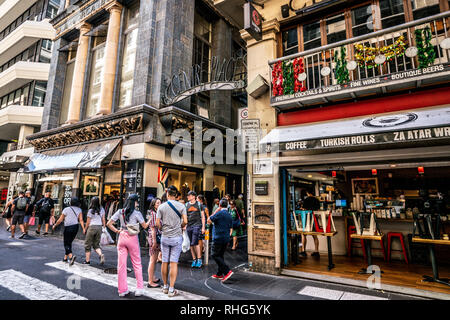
(171, 221)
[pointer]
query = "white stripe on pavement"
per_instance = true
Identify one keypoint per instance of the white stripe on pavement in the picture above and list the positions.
(98, 275)
(335, 294)
(34, 289)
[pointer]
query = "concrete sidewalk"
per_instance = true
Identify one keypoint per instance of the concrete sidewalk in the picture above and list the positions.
(243, 285)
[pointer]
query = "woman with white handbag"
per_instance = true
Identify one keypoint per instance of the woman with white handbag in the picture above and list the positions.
(128, 243)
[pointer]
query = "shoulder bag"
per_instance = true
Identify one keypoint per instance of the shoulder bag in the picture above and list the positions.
(133, 229)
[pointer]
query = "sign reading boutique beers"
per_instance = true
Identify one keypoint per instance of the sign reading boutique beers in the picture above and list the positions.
(252, 21)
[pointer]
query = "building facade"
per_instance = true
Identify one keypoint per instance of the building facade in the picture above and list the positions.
(25, 53)
(108, 118)
(354, 100)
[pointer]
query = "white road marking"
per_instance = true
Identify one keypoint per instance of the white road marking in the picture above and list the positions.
(34, 289)
(321, 293)
(357, 296)
(335, 294)
(98, 275)
(15, 244)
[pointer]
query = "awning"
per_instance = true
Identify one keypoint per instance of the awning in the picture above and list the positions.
(413, 126)
(86, 156)
(14, 160)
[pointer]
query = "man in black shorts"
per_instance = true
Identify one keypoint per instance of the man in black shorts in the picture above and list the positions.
(45, 207)
(19, 208)
(195, 227)
(29, 211)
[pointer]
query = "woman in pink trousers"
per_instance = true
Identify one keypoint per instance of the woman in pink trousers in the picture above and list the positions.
(128, 244)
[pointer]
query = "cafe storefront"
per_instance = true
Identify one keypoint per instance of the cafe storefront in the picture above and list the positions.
(391, 168)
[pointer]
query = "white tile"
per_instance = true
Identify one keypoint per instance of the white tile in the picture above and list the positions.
(321, 293)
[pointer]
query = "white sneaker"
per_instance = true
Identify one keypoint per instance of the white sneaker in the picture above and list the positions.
(124, 294)
(11, 237)
(139, 292)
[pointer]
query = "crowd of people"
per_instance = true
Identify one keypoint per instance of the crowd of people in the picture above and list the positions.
(167, 220)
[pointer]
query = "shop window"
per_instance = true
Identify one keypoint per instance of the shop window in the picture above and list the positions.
(200, 105)
(362, 20)
(311, 36)
(290, 41)
(392, 13)
(129, 57)
(336, 29)
(424, 8)
(95, 80)
(185, 181)
(39, 93)
(66, 93)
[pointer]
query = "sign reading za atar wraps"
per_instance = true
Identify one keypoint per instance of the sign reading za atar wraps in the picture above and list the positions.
(252, 21)
(366, 83)
(366, 139)
(425, 124)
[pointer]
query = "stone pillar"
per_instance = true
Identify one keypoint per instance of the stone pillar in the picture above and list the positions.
(109, 68)
(166, 33)
(55, 86)
(78, 75)
(220, 102)
(23, 133)
(208, 178)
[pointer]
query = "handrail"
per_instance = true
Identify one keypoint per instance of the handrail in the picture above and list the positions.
(363, 37)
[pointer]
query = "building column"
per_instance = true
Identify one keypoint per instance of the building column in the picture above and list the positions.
(208, 178)
(109, 68)
(76, 91)
(23, 133)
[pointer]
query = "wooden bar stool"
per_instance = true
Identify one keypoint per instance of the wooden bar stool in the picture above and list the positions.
(399, 235)
(352, 230)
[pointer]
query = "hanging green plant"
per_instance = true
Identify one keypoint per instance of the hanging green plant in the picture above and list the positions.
(341, 71)
(288, 77)
(426, 54)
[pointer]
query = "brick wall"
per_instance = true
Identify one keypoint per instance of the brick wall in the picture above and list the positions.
(264, 240)
(263, 264)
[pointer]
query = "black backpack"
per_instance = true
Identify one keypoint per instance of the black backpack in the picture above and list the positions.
(45, 208)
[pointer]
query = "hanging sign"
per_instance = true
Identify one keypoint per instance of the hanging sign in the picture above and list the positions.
(252, 21)
(222, 74)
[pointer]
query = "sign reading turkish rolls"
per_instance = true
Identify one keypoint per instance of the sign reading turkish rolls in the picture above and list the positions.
(414, 135)
(252, 21)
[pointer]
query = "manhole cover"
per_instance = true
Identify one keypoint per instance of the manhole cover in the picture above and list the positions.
(114, 270)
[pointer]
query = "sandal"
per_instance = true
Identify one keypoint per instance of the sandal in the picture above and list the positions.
(154, 286)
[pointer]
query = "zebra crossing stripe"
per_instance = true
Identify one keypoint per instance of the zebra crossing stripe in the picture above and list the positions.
(34, 289)
(91, 273)
(335, 294)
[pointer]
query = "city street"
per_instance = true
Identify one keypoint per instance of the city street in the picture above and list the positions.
(32, 269)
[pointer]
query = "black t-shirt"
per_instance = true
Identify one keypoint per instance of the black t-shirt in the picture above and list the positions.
(29, 212)
(16, 209)
(45, 205)
(311, 203)
(194, 214)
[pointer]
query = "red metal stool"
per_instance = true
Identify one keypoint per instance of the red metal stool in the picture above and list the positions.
(352, 230)
(399, 235)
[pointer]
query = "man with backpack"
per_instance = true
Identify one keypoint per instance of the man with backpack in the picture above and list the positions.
(45, 208)
(29, 211)
(20, 206)
(195, 227)
(171, 219)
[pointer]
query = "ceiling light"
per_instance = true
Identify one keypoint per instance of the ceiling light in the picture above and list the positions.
(309, 175)
(393, 165)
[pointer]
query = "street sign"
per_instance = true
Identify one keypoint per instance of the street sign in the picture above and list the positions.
(251, 134)
(252, 21)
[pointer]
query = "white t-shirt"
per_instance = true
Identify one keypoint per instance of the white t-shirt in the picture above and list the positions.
(71, 215)
(135, 217)
(96, 219)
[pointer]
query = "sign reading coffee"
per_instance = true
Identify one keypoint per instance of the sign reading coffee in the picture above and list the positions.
(364, 139)
(252, 21)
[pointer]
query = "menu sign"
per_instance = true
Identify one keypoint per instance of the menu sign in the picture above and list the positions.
(414, 135)
(398, 76)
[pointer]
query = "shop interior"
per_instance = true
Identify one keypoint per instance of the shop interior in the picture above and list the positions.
(391, 196)
(59, 186)
(185, 181)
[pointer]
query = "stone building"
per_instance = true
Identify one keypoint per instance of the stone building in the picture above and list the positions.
(354, 97)
(108, 120)
(25, 52)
